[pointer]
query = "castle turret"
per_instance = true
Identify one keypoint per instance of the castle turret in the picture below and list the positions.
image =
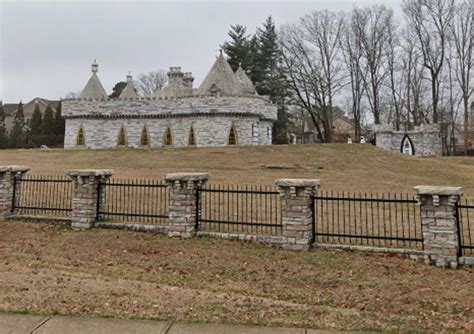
(94, 88)
(129, 90)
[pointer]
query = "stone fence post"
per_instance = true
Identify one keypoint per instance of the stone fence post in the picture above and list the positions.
(183, 202)
(86, 196)
(297, 211)
(7, 187)
(439, 224)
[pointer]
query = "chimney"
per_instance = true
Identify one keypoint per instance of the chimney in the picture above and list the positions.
(188, 79)
(175, 76)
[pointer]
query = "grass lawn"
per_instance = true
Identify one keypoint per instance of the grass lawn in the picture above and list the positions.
(48, 268)
(341, 167)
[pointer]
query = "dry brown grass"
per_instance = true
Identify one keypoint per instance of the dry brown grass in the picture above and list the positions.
(340, 167)
(51, 269)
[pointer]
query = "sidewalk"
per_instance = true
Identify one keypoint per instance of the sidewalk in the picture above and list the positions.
(26, 324)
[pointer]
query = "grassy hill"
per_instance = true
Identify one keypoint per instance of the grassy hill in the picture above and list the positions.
(355, 168)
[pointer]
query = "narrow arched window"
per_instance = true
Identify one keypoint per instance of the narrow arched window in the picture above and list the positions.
(407, 146)
(192, 137)
(144, 139)
(168, 138)
(80, 140)
(122, 139)
(232, 135)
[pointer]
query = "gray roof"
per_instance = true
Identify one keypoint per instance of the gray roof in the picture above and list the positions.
(220, 79)
(129, 91)
(93, 89)
(245, 82)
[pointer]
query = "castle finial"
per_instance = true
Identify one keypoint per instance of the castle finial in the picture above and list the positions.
(129, 77)
(95, 67)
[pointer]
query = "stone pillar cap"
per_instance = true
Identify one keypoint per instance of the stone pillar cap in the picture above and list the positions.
(90, 172)
(297, 182)
(439, 190)
(186, 176)
(14, 168)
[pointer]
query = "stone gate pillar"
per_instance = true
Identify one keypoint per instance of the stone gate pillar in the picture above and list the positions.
(183, 202)
(86, 196)
(297, 211)
(439, 224)
(7, 187)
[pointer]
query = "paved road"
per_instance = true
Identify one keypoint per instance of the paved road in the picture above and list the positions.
(28, 324)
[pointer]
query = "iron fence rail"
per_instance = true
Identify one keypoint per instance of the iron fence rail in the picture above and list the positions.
(133, 201)
(45, 195)
(465, 215)
(239, 209)
(382, 220)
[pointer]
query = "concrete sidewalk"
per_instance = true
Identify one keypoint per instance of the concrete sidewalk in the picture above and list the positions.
(26, 324)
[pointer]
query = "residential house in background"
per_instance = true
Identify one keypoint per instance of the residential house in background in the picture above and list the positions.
(28, 109)
(343, 128)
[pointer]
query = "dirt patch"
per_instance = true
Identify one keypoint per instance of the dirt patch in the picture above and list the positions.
(51, 269)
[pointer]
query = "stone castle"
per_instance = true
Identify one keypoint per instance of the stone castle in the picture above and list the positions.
(224, 110)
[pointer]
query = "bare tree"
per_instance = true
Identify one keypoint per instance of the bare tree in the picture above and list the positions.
(430, 20)
(311, 53)
(352, 53)
(373, 28)
(148, 83)
(462, 31)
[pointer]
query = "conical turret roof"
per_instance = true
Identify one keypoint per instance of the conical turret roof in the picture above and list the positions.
(221, 79)
(94, 88)
(129, 91)
(245, 82)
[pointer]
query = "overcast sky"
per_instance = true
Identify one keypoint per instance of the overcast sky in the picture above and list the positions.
(46, 48)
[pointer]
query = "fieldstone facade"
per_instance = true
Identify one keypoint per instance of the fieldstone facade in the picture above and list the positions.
(224, 110)
(297, 211)
(424, 140)
(182, 214)
(86, 196)
(439, 224)
(7, 187)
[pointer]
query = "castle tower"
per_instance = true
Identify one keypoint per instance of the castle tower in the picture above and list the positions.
(94, 89)
(129, 90)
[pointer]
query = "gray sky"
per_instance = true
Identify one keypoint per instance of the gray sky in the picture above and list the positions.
(46, 48)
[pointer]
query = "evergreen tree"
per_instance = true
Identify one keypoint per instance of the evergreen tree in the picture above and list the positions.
(3, 130)
(59, 125)
(36, 121)
(48, 126)
(238, 48)
(18, 134)
(35, 127)
(117, 90)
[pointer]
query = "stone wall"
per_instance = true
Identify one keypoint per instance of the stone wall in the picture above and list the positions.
(425, 138)
(211, 118)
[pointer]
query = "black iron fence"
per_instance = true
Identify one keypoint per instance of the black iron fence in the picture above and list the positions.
(239, 209)
(465, 215)
(368, 219)
(43, 195)
(133, 201)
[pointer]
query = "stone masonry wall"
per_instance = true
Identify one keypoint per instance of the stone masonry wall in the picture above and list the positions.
(425, 138)
(211, 118)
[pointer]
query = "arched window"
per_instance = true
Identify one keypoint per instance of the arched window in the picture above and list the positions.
(144, 139)
(192, 137)
(122, 139)
(168, 138)
(80, 139)
(232, 136)
(407, 146)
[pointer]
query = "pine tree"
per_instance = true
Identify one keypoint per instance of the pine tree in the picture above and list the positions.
(238, 48)
(18, 135)
(3, 130)
(35, 127)
(117, 90)
(48, 126)
(59, 125)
